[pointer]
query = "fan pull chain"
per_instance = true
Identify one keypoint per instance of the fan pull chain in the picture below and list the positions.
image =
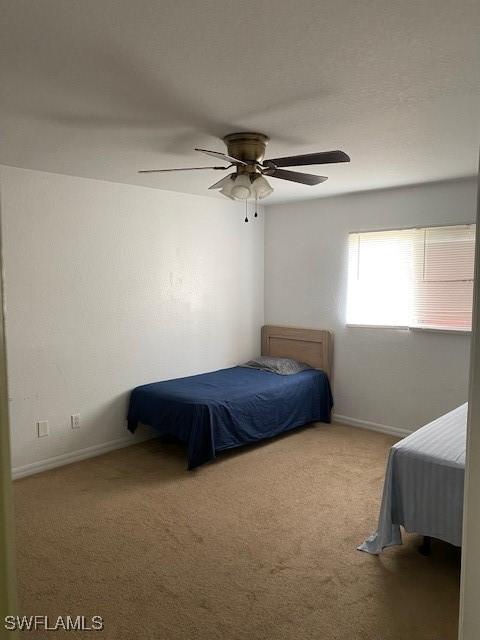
(246, 210)
(256, 205)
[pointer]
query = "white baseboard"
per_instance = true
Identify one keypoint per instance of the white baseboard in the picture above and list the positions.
(372, 426)
(75, 456)
(111, 445)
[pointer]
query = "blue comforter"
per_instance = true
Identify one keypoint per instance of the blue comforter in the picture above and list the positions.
(215, 411)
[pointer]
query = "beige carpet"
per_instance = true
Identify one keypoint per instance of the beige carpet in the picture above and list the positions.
(259, 545)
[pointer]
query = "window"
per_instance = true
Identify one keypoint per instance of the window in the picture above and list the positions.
(412, 278)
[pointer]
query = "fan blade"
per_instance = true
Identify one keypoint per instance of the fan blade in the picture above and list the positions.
(324, 157)
(222, 182)
(182, 169)
(295, 176)
(222, 156)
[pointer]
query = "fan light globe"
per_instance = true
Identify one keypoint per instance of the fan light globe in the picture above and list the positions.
(261, 188)
(226, 190)
(240, 192)
(241, 189)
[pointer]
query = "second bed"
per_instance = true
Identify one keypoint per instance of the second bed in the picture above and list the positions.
(423, 488)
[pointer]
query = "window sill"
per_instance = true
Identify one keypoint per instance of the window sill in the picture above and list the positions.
(456, 332)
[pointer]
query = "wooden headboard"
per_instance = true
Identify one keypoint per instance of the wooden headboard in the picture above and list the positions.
(313, 346)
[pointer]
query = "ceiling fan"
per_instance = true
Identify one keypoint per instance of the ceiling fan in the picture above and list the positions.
(246, 152)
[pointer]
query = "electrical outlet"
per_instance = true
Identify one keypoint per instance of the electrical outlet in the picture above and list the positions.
(42, 428)
(75, 421)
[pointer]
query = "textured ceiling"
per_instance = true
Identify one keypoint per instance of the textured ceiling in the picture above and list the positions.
(102, 88)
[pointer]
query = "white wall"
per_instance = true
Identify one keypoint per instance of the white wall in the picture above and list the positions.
(110, 286)
(389, 377)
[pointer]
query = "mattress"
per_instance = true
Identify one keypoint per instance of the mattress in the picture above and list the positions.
(423, 489)
(223, 409)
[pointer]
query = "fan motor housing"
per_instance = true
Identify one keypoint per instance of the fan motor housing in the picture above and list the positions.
(246, 146)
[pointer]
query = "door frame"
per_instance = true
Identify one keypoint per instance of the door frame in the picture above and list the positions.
(8, 587)
(469, 615)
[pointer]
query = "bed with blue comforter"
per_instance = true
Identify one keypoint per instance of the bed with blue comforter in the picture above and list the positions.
(216, 411)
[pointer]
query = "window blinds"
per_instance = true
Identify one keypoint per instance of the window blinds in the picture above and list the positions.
(412, 277)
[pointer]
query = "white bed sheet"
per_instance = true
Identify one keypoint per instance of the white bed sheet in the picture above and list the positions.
(423, 488)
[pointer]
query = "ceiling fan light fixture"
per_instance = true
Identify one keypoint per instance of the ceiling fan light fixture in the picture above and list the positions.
(261, 188)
